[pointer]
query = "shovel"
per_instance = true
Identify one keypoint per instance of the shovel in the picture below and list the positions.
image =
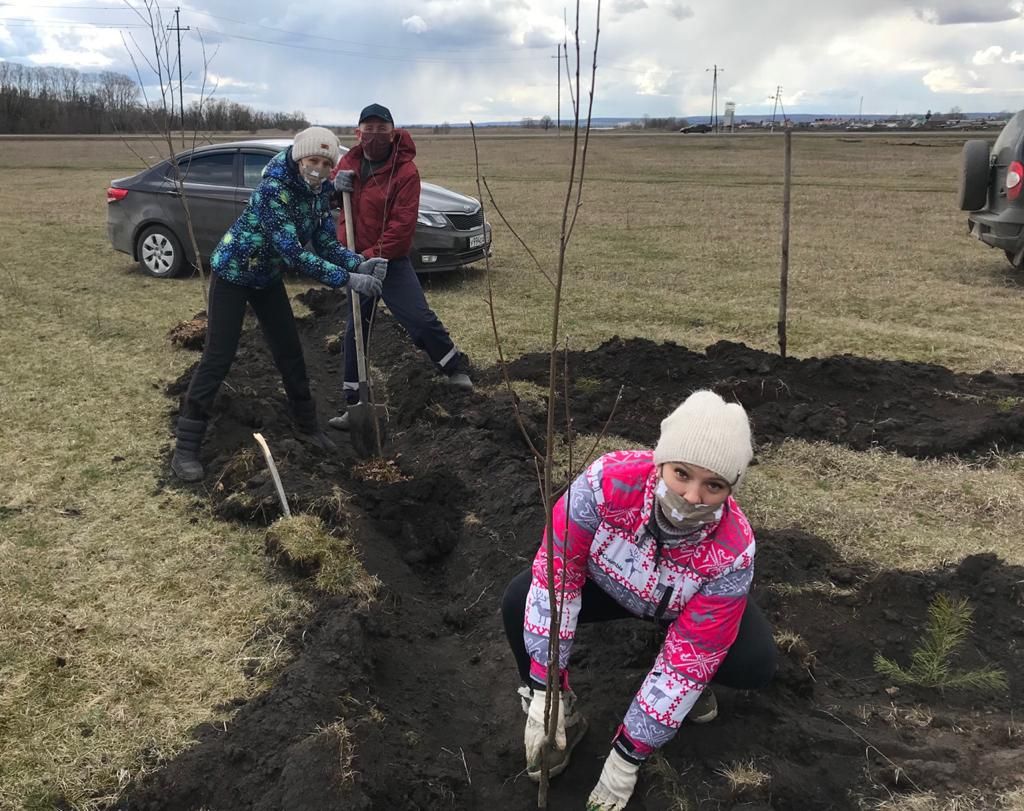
(366, 420)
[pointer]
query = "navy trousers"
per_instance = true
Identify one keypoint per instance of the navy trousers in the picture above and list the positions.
(404, 297)
(226, 313)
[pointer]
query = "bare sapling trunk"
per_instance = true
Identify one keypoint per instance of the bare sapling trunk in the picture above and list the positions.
(157, 57)
(544, 459)
(787, 172)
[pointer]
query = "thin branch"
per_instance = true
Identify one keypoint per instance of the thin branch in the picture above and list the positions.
(502, 364)
(494, 204)
(552, 703)
(590, 112)
(568, 76)
(870, 745)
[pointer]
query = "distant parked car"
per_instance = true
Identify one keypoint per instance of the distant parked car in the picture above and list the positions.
(991, 182)
(146, 220)
(696, 128)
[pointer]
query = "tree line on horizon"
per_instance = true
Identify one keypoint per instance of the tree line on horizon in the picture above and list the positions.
(65, 101)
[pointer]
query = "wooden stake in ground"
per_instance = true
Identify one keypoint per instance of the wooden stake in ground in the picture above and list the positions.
(784, 279)
(273, 473)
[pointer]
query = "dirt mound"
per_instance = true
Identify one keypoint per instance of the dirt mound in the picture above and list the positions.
(917, 409)
(412, 705)
(189, 334)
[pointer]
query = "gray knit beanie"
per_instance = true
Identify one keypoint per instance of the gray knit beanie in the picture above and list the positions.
(316, 141)
(708, 432)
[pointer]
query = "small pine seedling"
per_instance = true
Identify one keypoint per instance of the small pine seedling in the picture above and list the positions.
(949, 623)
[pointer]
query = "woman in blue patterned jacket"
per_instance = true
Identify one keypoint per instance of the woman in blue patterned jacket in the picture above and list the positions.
(288, 209)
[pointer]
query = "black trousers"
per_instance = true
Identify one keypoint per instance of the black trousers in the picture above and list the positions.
(749, 664)
(225, 315)
(404, 297)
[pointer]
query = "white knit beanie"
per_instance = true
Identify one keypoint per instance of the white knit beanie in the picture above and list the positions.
(708, 432)
(316, 141)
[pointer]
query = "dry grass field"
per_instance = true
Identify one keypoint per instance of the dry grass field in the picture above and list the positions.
(128, 614)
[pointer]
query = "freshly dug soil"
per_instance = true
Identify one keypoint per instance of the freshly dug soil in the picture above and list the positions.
(423, 681)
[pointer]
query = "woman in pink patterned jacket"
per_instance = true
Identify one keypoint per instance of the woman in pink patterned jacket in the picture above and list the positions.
(654, 535)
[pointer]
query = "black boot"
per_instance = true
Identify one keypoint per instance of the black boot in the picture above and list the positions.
(185, 462)
(306, 427)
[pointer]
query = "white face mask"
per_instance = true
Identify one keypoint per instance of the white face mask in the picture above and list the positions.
(313, 177)
(682, 514)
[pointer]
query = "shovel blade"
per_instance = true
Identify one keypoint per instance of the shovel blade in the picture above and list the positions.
(367, 429)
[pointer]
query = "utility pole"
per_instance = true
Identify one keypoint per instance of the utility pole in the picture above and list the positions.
(558, 60)
(778, 94)
(714, 71)
(860, 110)
(181, 99)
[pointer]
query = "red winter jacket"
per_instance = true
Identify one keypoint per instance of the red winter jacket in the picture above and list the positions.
(386, 204)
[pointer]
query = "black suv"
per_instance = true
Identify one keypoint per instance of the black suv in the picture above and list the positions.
(991, 186)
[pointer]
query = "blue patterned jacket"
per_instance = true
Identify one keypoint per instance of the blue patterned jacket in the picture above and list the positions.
(283, 215)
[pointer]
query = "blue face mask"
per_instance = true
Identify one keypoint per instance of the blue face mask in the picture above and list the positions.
(680, 513)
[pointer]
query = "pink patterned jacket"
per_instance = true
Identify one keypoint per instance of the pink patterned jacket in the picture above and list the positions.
(699, 583)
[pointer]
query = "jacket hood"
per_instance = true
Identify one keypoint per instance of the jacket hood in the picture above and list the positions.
(403, 151)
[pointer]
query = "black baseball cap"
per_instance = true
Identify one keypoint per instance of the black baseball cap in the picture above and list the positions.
(376, 111)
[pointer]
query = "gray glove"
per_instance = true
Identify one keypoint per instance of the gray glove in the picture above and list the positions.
(365, 284)
(376, 267)
(345, 180)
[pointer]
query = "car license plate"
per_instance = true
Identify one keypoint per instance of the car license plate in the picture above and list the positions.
(476, 241)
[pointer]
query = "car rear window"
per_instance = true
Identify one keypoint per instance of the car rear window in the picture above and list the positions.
(1011, 134)
(252, 168)
(212, 170)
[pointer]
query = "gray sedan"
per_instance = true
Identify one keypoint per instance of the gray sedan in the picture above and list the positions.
(146, 220)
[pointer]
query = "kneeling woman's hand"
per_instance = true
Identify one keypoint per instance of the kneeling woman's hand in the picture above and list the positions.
(613, 790)
(533, 737)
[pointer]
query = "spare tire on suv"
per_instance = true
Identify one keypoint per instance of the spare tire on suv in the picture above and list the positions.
(972, 194)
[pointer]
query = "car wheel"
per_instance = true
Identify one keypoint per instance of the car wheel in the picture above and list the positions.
(160, 252)
(972, 194)
(1011, 257)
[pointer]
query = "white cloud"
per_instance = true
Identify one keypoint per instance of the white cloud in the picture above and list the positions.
(679, 10)
(226, 83)
(629, 6)
(435, 60)
(416, 24)
(951, 79)
(988, 56)
(653, 80)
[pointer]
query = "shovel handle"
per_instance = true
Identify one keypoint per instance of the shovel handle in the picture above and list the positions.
(357, 315)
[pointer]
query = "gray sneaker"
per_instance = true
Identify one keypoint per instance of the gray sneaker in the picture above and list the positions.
(460, 380)
(706, 708)
(341, 422)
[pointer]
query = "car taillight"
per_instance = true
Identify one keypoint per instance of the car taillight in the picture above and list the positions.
(1014, 180)
(113, 195)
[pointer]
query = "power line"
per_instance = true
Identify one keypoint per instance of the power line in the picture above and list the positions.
(236, 21)
(27, 22)
(370, 55)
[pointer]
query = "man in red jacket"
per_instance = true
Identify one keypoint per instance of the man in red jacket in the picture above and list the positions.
(382, 177)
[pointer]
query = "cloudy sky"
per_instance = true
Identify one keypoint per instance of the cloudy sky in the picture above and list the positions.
(485, 60)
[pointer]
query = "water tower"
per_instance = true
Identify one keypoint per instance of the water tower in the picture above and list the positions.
(730, 115)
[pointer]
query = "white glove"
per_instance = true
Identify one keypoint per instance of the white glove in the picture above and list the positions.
(533, 737)
(613, 790)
